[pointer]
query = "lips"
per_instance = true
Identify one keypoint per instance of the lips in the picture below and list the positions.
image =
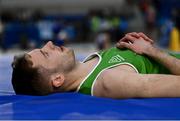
(61, 48)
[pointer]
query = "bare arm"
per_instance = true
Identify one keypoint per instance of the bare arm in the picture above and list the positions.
(170, 62)
(133, 85)
(141, 44)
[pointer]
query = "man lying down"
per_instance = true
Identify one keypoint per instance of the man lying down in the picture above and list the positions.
(135, 68)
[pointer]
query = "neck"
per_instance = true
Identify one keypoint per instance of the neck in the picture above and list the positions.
(76, 76)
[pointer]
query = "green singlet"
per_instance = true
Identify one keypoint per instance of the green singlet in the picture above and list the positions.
(114, 57)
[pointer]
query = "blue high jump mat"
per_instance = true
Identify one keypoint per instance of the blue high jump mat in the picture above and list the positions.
(78, 106)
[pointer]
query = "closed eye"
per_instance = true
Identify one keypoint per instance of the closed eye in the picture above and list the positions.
(45, 54)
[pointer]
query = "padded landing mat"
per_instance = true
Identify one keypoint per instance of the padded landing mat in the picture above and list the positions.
(78, 106)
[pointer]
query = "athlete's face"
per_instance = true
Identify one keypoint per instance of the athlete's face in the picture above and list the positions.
(58, 58)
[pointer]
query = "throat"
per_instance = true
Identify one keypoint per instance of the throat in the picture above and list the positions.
(90, 65)
(80, 74)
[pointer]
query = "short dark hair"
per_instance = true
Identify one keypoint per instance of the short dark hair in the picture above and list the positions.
(27, 79)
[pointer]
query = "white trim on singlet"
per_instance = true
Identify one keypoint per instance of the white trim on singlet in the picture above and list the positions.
(100, 58)
(125, 63)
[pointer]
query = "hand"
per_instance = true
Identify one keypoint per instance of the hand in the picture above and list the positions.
(140, 34)
(137, 42)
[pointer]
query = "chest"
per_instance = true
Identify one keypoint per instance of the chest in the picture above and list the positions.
(100, 69)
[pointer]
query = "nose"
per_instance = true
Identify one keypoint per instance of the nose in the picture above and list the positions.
(49, 45)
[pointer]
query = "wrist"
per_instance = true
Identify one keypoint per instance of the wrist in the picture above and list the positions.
(151, 50)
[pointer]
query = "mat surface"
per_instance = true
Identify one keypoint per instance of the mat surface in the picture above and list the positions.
(78, 106)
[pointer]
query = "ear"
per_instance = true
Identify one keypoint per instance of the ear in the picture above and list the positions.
(57, 80)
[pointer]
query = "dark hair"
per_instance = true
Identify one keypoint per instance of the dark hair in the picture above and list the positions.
(27, 79)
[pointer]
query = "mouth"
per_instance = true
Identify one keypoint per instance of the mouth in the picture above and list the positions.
(59, 48)
(62, 48)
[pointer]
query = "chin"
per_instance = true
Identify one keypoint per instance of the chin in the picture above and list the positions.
(69, 60)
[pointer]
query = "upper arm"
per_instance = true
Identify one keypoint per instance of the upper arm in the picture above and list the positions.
(122, 85)
(132, 85)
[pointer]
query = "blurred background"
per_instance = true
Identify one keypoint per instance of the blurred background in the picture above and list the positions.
(86, 25)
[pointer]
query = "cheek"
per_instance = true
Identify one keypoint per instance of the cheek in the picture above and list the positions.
(57, 59)
(53, 59)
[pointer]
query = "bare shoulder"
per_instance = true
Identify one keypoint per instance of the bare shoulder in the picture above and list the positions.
(111, 79)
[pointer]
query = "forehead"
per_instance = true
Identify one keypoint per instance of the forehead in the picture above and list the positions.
(35, 51)
(36, 57)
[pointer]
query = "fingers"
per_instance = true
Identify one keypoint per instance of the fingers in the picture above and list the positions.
(130, 38)
(140, 34)
(123, 39)
(145, 37)
(126, 39)
(124, 45)
(134, 34)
